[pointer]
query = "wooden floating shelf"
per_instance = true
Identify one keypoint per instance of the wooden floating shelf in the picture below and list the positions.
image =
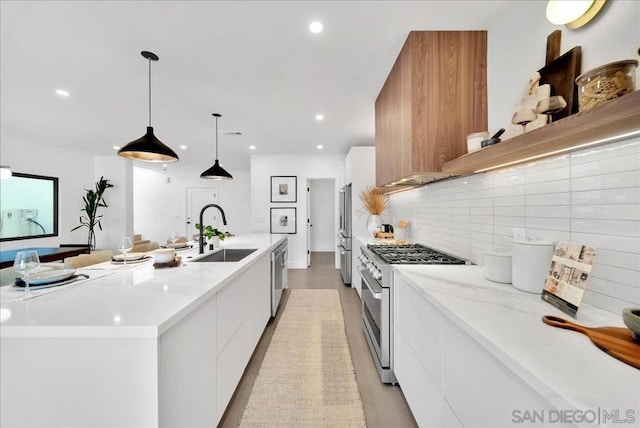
(613, 118)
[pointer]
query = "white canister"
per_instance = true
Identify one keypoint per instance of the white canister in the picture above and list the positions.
(474, 140)
(498, 266)
(531, 261)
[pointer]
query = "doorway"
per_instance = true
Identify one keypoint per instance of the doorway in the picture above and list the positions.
(321, 216)
(198, 197)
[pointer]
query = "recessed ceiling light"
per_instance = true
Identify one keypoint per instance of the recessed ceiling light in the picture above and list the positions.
(116, 147)
(183, 147)
(316, 27)
(63, 92)
(319, 116)
(320, 146)
(252, 147)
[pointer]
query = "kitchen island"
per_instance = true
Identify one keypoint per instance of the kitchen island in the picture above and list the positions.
(136, 347)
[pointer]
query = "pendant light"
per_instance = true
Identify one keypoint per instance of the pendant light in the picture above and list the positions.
(148, 148)
(216, 172)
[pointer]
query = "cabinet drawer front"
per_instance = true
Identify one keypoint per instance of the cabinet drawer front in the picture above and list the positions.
(423, 396)
(481, 391)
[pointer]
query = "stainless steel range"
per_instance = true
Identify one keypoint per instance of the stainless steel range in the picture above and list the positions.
(377, 310)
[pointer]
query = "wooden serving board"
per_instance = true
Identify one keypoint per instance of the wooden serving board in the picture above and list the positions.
(615, 341)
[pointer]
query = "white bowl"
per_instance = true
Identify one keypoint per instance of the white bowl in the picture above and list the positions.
(163, 255)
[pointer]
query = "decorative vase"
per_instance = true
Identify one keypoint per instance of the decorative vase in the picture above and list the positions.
(213, 242)
(373, 222)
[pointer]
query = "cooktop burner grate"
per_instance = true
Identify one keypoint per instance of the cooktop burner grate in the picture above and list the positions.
(413, 254)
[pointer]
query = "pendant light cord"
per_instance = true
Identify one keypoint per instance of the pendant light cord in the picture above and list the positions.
(216, 137)
(149, 91)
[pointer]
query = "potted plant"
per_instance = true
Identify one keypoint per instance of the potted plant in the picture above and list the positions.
(214, 236)
(93, 200)
(375, 202)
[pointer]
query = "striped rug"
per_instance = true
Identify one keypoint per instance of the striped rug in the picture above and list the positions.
(307, 377)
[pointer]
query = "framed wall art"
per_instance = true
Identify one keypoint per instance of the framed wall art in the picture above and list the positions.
(284, 188)
(283, 220)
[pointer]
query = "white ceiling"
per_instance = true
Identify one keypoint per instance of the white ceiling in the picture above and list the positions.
(254, 62)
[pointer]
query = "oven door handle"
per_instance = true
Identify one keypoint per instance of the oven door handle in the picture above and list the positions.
(377, 293)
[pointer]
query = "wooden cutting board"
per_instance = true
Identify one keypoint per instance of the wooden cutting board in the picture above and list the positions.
(615, 341)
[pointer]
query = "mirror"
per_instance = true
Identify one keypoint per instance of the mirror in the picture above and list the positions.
(28, 207)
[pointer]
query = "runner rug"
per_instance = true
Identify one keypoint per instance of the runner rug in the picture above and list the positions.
(307, 377)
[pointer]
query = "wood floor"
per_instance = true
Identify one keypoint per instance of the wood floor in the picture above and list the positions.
(384, 405)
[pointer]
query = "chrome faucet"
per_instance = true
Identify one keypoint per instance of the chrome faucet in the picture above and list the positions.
(201, 237)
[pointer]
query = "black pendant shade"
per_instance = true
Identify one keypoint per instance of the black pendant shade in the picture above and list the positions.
(148, 148)
(216, 172)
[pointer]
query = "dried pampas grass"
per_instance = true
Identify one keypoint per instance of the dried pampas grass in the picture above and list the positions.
(374, 201)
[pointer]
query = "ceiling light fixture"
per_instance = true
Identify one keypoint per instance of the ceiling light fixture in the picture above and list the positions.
(63, 92)
(116, 147)
(5, 172)
(319, 117)
(183, 147)
(573, 13)
(252, 147)
(148, 148)
(316, 27)
(216, 172)
(320, 146)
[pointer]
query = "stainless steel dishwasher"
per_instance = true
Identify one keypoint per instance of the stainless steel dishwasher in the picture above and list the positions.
(278, 275)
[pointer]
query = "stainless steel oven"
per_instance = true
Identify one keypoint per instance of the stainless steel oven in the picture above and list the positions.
(376, 318)
(377, 309)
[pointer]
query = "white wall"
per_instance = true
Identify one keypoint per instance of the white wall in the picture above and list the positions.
(517, 42)
(305, 168)
(75, 173)
(322, 215)
(360, 170)
(590, 197)
(160, 206)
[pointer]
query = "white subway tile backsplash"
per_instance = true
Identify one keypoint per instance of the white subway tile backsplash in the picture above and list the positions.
(552, 211)
(629, 195)
(590, 197)
(606, 212)
(548, 223)
(508, 201)
(627, 148)
(550, 199)
(607, 166)
(547, 188)
(620, 275)
(607, 181)
(607, 227)
(618, 259)
(622, 244)
(547, 175)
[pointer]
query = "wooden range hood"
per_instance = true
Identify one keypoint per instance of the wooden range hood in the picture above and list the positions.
(434, 96)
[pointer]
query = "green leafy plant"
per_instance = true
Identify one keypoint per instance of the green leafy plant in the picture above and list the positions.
(210, 231)
(93, 200)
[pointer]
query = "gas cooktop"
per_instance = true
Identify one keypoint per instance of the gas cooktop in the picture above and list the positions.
(413, 254)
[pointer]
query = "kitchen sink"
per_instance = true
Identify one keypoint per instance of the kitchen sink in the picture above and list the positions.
(227, 255)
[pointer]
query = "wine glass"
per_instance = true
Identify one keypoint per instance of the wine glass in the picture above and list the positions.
(25, 263)
(523, 117)
(125, 247)
(174, 237)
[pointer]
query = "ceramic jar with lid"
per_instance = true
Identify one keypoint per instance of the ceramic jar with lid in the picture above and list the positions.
(531, 261)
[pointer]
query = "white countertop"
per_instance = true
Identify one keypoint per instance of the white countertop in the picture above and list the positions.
(141, 301)
(561, 365)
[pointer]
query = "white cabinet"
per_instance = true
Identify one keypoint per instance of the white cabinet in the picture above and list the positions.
(448, 379)
(243, 311)
(479, 388)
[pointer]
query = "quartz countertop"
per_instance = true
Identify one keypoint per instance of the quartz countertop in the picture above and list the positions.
(140, 301)
(561, 365)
